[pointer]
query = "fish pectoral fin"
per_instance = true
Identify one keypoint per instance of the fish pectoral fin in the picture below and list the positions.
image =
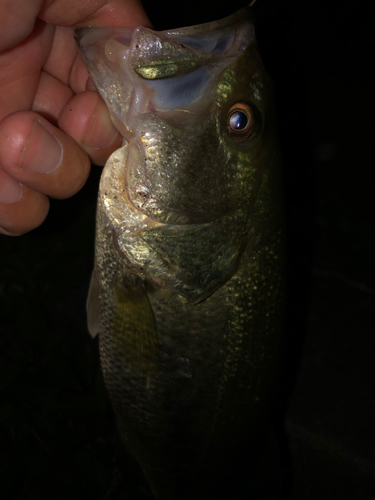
(134, 330)
(93, 306)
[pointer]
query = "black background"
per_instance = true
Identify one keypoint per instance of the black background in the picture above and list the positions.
(56, 426)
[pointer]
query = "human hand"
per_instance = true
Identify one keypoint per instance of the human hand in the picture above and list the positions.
(52, 126)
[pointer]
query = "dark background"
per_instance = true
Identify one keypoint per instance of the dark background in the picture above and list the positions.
(57, 435)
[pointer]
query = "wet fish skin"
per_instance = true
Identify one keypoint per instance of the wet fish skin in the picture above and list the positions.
(187, 293)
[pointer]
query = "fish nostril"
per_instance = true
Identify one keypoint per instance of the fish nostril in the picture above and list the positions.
(143, 194)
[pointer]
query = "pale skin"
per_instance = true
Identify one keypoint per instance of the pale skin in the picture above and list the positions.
(52, 124)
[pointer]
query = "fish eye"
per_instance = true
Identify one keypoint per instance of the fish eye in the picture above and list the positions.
(241, 122)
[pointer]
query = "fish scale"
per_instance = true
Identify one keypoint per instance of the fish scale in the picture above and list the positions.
(188, 290)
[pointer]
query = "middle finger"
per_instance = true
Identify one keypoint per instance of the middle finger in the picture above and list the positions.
(20, 69)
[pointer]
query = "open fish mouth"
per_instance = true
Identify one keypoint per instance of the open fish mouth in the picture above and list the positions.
(142, 71)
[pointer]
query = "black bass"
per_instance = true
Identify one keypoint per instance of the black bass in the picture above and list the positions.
(187, 293)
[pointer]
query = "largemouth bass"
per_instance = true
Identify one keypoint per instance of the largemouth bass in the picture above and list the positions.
(187, 294)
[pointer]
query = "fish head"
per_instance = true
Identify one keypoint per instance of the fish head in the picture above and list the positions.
(192, 105)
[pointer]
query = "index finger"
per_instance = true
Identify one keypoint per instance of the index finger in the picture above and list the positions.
(102, 13)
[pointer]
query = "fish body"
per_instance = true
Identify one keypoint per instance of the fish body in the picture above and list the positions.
(187, 293)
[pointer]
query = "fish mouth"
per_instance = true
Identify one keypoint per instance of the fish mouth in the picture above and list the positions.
(140, 70)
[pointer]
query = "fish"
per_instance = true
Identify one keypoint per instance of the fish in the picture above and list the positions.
(187, 294)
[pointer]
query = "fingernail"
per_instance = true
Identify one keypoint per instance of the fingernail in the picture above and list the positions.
(42, 153)
(10, 189)
(101, 132)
